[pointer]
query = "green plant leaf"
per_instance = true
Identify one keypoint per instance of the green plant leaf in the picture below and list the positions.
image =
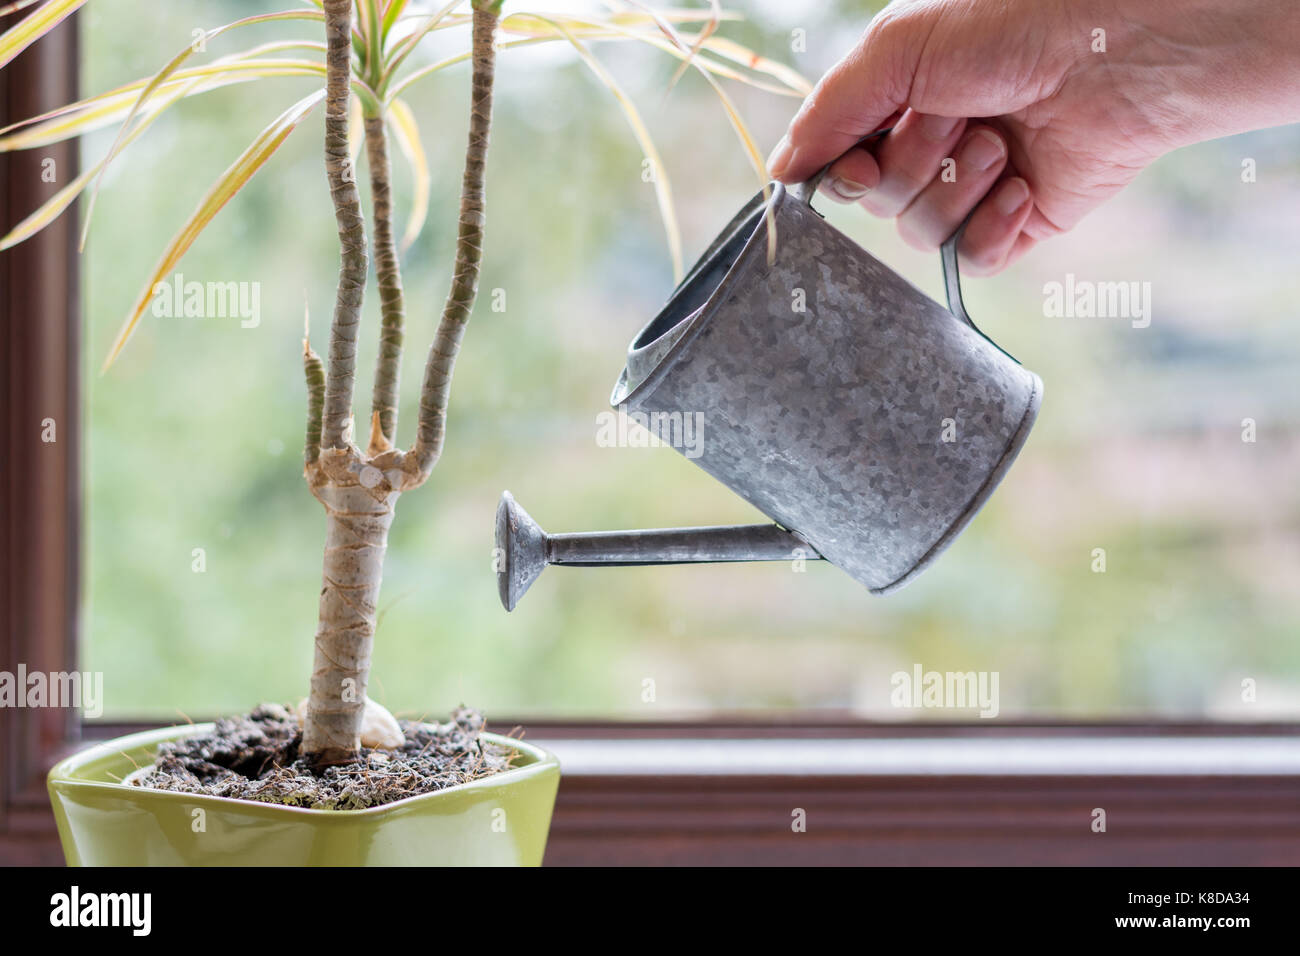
(54, 207)
(792, 84)
(737, 53)
(663, 189)
(678, 45)
(369, 21)
(34, 26)
(392, 11)
(356, 129)
(733, 115)
(401, 120)
(690, 59)
(672, 15)
(171, 67)
(710, 27)
(108, 108)
(737, 123)
(432, 68)
(228, 184)
(409, 43)
(534, 30)
(364, 9)
(175, 90)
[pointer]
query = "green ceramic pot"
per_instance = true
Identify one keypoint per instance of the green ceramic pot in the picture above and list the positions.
(500, 820)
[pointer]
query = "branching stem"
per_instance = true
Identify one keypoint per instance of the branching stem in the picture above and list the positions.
(388, 365)
(341, 370)
(434, 391)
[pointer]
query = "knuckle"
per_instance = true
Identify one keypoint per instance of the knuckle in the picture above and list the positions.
(905, 181)
(892, 21)
(857, 165)
(872, 204)
(915, 236)
(897, 28)
(978, 261)
(809, 115)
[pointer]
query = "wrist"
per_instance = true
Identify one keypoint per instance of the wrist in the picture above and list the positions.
(1192, 70)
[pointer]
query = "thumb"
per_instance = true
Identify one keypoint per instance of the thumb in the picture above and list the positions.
(857, 96)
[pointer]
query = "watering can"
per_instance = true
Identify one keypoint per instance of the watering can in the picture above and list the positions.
(865, 419)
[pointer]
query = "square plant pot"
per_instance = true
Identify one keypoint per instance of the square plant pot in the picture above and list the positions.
(501, 820)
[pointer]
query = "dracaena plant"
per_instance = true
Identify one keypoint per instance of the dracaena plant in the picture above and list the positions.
(367, 64)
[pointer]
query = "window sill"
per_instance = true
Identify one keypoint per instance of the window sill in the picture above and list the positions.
(729, 793)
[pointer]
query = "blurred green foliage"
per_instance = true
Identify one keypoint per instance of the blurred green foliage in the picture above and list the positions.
(194, 437)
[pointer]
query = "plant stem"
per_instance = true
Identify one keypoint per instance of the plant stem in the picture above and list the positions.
(469, 251)
(315, 373)
(357, 517)
(388, 366)
(356, 538)
(352, 233)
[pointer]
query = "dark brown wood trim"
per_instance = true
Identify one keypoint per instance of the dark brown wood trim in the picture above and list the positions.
(927, 821)
(1006, 798)
(1174, 795)
(40, 486)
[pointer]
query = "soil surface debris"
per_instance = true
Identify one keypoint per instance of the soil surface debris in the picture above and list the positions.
(255, 757)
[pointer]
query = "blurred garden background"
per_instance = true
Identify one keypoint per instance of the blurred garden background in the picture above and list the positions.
(194, 437)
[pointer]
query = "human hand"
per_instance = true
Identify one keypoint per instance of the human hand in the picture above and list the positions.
(1037, 117)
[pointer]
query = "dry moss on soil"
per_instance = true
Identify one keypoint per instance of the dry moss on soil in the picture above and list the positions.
(255, 757)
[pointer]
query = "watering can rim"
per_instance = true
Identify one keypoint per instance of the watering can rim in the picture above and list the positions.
(627, 393)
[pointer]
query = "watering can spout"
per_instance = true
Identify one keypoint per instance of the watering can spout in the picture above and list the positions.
(523, 549)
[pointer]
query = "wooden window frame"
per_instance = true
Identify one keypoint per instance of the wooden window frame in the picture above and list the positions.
(40, 483)
(634, 792)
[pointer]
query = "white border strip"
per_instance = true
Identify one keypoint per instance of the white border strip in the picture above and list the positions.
(1009, 756)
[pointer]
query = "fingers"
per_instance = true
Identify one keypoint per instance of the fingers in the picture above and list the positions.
(940, 207)
(851, 176)
(931, 172)
(910, 158)
(994, 238)
(853, 99)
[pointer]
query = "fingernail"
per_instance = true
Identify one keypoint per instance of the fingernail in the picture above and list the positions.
(848, 189)
(1011, 196)
(780, 158)
(982, 150)
(938, 128)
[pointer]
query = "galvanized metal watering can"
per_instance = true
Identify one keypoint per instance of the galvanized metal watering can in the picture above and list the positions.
(868, 421)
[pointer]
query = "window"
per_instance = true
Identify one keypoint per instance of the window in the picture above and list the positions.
(1137, 464)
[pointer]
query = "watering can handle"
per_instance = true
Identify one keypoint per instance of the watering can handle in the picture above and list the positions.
(805, 192)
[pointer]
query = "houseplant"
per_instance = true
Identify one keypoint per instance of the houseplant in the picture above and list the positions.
(367, 41)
